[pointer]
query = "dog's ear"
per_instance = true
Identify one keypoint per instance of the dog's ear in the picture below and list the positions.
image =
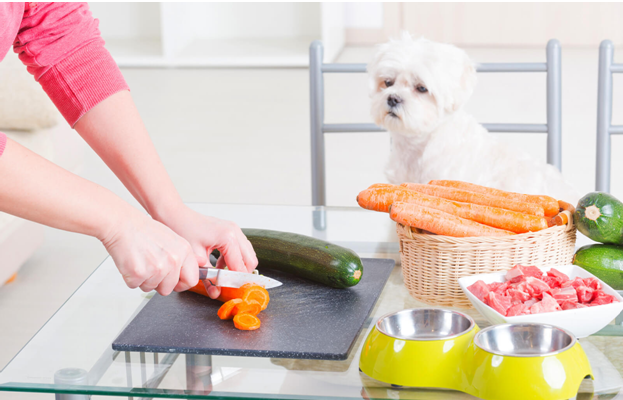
(465, 85)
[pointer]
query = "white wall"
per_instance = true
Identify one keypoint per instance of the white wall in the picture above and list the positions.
(236, 20)
(123, 20)
(364, 15)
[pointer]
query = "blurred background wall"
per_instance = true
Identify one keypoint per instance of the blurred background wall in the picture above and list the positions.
(231, 78)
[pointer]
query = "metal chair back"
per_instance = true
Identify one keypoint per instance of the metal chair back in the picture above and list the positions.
(607, 67)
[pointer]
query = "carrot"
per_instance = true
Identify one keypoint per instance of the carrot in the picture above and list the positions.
(381, 198)
(466, 196)
(246, 322)
(257, 293)
(564, 206)
(440, 222)
(549, 204)
(227, 309)
(247, 307)
(248, 291)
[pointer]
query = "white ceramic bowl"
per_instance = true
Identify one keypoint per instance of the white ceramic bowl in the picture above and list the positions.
(581, 322)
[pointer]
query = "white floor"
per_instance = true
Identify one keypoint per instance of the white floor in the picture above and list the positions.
(242, 136)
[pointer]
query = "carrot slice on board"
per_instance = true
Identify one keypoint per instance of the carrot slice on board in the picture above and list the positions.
(248, 291)
(247, 307)
(258, 294)
(227, 309)
(440, 222)
(228, 293)
(246, 322)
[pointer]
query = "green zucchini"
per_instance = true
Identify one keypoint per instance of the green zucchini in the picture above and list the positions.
(605, 261)
(306, 257)
(600, 217)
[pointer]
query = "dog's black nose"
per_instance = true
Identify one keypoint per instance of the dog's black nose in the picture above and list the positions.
(392, 100)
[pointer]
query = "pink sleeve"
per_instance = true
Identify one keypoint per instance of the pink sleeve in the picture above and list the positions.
(60, 43)
(2, 142)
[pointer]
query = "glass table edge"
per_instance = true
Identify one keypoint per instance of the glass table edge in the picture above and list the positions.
(149, 392)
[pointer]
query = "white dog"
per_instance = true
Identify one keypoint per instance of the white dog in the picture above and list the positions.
(418, 88)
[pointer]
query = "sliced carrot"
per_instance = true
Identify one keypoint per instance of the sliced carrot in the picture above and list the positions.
(246, 322)
(440, 222)
(228, 293)
(227, 309)
(466, 196)
(247, 307)
(549, 204)
(257, 293)
(381, 198)
(248, 291)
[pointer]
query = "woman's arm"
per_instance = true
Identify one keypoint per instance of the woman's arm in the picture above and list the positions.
(148, 254)
(116, 132)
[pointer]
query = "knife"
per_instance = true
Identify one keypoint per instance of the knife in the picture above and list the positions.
(233, 279)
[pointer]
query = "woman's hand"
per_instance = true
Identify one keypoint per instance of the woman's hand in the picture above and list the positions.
(206, 234)
(151, 256)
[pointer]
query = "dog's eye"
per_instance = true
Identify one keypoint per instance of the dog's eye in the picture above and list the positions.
(388, 82)
(421, 89)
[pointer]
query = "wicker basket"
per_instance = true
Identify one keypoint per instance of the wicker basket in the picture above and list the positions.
(432, 264)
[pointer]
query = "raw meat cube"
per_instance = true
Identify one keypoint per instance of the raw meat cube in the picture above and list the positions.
(531, 271)
(553, 291)
(514, 275)
(536, 308)
(592, 283)
(517, 296)
(565, 294)
(584, 293)
(568, 305)
(494, 285)
(549, 304)
(552, 281)
(536, 287)
(531, 302)
(575, 283)
(499, 303)
(600, 298)
(553, 272)
(518, 309)
(479, 289)
(501, 290)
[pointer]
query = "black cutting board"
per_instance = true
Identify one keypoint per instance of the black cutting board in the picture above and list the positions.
(304, 319)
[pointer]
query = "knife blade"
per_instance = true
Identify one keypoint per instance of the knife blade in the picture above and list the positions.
(233, 279)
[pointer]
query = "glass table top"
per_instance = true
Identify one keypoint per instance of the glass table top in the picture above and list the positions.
(72, 352)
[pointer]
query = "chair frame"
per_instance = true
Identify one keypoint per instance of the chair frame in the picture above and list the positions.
(317, 68)
(605, 129)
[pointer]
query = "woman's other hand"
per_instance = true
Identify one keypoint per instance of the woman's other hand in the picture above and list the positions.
(151, 256)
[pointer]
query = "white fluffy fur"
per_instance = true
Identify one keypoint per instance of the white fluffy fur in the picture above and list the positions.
(433, 137)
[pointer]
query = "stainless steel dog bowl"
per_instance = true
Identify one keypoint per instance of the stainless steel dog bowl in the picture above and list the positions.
(425, 324)
(524, 340)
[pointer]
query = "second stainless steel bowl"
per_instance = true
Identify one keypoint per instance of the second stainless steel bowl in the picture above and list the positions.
(524, 340)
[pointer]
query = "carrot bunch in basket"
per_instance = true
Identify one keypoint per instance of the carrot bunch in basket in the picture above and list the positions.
(462, 209)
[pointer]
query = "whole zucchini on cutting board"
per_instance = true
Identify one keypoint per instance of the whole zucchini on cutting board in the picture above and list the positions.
(600, 217)
(605, 261)
(306, 257)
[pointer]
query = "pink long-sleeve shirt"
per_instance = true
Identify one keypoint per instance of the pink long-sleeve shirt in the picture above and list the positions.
(61, 46)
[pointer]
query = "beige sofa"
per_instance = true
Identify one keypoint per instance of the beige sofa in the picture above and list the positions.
(29, 117)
